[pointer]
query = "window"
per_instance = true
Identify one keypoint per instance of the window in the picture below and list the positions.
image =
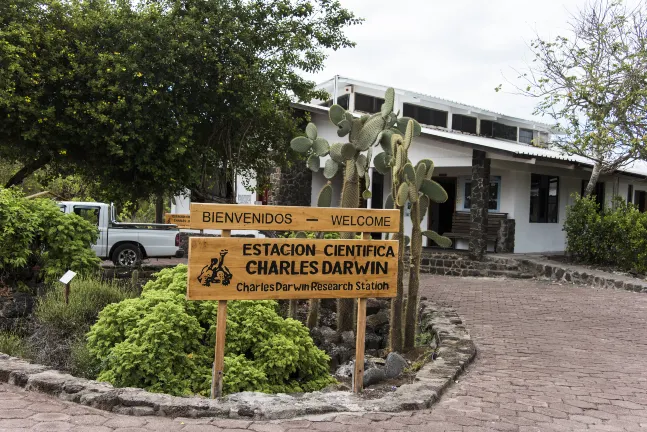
(341, 100)
(90, 214)
(630, 194)
(505, 131)
(368, 104)
(495, 189)
(426, 116)
(544, 198)
(498, 130)
(525, 135)
(464, 123)
(598, 191)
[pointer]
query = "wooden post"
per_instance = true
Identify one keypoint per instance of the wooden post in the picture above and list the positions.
(67, 293)
(221, 330)
(360, 336)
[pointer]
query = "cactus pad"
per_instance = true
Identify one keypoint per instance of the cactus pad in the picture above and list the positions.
(330, 169)
(347, 151)
(434, 191)
(301, 144)
(335, 152)
(311, 131)
(344, 128)
(337, 114)
(314, 163)
(321, 147)
(441, 241)
(403, 194)
(325, 196)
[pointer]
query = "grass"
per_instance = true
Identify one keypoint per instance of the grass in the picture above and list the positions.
(14, 345)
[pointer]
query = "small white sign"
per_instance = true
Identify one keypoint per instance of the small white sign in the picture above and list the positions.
(67, 277)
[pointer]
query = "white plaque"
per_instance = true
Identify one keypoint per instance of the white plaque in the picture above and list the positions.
(67, 277)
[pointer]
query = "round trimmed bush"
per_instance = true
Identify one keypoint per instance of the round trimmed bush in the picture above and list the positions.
(163, 343)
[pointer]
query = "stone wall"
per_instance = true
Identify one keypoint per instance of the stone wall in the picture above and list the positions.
(14, 308)
(291, 186)
(454, 263)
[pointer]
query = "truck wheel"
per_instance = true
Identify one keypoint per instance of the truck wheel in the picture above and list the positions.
(127, 255)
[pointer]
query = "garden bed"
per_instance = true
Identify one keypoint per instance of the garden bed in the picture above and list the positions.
(454, 351)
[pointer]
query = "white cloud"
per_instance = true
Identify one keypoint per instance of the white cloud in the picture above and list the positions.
(459, 49)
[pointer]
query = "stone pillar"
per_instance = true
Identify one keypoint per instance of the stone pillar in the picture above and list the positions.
(505, 238)
(291, 186)
(479, 208)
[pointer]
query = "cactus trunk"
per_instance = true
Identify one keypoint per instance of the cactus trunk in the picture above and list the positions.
(313, 314)
(349, 199)
(411, 314)
(395, 326)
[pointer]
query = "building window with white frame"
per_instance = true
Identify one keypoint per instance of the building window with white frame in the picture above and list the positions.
(495, 194)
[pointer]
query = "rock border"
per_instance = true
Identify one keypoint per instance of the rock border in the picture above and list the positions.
(544, 269)
(455, 350)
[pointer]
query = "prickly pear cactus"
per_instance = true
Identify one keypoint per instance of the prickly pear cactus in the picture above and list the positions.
(352, 159)
(414, 185)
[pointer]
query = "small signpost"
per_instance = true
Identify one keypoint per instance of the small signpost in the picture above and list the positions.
(255, 269)
(181, 220)
(67, 279)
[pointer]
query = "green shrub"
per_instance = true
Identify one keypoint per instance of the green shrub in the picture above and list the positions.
(164, 343)
(34, 233)
(615, 236)
(12, 344)
(311, 235)
(59, 336)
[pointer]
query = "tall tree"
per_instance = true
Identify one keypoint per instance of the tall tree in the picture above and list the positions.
(157, 96)
(593, 83)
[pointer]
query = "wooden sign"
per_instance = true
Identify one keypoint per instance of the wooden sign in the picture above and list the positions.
(181, 220)
(285, 218)
(258, 269)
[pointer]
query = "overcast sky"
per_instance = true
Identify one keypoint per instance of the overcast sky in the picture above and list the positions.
(454, 49)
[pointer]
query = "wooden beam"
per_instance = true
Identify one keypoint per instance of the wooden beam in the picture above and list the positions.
(221, 330)
(360, 336)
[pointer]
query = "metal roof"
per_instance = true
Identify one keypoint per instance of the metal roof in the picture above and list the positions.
(637, 168)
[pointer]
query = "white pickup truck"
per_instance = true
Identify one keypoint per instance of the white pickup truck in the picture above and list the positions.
(126, 244)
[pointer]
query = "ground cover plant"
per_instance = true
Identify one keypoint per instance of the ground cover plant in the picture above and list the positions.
(163, 343)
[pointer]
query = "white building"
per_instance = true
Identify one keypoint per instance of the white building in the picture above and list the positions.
(530, 184)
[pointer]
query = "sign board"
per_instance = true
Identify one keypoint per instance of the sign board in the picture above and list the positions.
(285, 218)
(67, 277)
(181, 220)
(230, 268)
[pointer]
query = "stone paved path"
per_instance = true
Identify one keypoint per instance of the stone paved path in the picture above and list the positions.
(550, 358)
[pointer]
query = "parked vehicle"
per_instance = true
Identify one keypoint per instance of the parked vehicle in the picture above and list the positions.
(126, 244)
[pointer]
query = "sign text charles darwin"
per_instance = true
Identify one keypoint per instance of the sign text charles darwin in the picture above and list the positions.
(285, 218)
(230, 268)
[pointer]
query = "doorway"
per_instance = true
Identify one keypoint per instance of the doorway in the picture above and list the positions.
(639, 200)
(441, 215)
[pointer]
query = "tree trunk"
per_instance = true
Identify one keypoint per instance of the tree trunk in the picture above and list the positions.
(292, 309)
(313, 314)
(595, 176)
(349, 199)
(411, 314)
(27, 170)
(159, 209)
